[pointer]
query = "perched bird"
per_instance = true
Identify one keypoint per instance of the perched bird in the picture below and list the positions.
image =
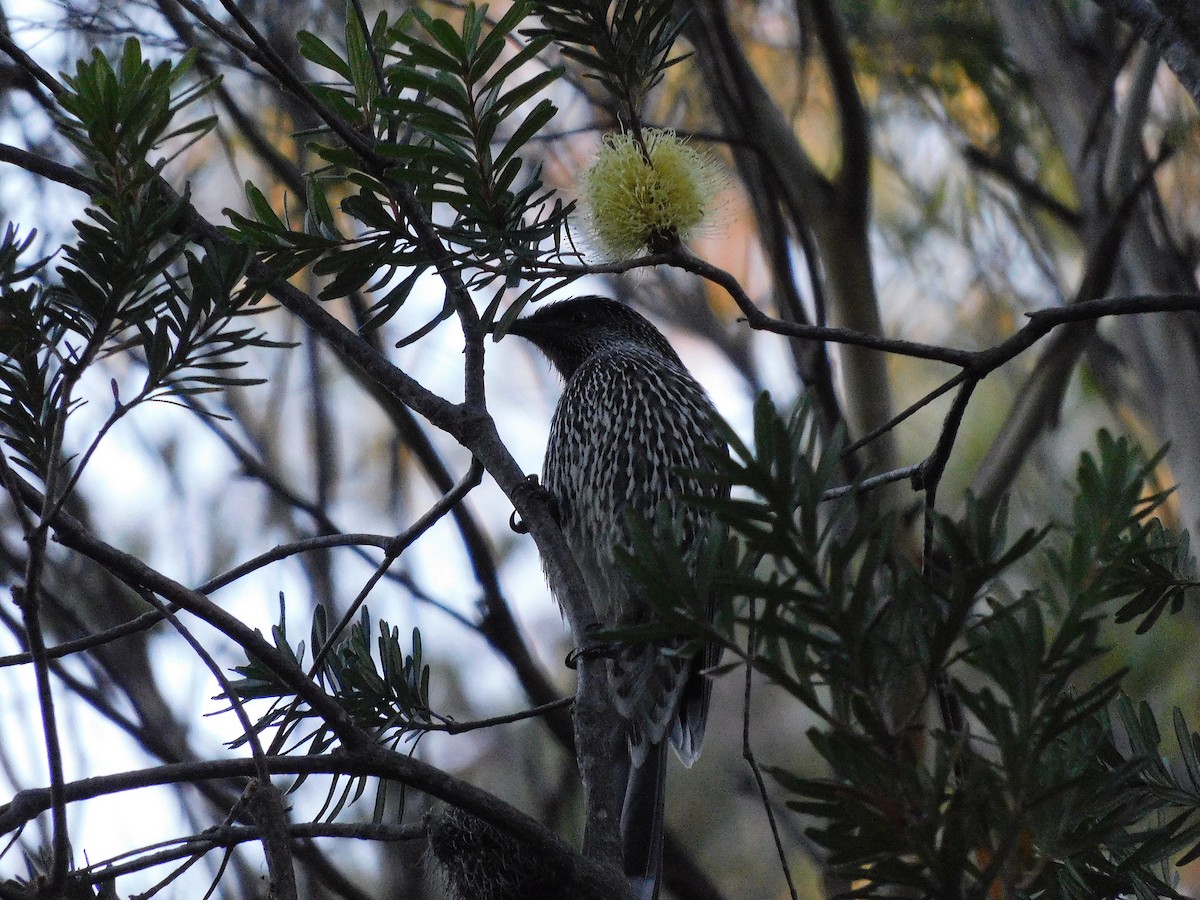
(630, 419)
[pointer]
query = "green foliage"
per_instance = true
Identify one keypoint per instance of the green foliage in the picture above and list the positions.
(132, 282)
(626, 48)
(388, 696)
(29, 325)
(384, 690)
(1056, 785)
(448, 112)
(1119, 549)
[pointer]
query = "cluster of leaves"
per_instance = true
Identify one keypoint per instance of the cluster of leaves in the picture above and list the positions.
(389, 697)
(448, 112)
(132, 282)
(1043, 791)
(624, 46)
(25, 371)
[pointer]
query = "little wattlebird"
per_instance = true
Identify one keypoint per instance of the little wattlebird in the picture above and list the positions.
(630, 422)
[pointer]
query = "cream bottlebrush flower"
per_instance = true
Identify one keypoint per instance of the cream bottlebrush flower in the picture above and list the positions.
(634, 206)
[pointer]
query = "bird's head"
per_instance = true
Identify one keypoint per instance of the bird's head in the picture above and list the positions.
(571, 331)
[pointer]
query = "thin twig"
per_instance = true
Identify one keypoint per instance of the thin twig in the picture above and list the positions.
(27, 62)
(398, 545)
(276, 554)
(930, 479)
(748, 755)
(218, 673)
(902, 474)
(232, 835)
(451, 727)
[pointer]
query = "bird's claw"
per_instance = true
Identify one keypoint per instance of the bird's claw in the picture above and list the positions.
(597, 650)
(532, 487)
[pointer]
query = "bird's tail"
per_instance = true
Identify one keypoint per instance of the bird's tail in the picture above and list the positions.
(642, 821)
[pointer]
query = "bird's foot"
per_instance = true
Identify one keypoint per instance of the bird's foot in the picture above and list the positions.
(532, 488)
(592, 650)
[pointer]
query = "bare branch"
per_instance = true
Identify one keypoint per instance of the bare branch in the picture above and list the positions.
(368, 761)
